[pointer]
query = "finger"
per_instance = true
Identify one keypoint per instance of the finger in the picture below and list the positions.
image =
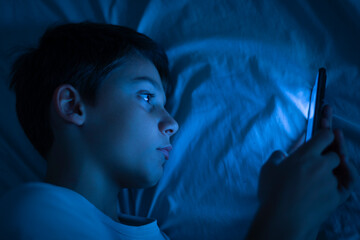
(348, 177)
(338, 145)
(321, 140)
(331, 160)
(347, 174)
(276, 157)
(340, 142)
(346, 187)
(268, 171)
(326, 117)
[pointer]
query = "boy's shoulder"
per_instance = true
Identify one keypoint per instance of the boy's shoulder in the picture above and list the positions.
(45, 211)
(34, 196)
(32, 191)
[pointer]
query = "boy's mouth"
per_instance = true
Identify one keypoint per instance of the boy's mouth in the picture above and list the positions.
(165, 152)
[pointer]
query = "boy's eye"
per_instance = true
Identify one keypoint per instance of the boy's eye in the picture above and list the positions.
(149, 96)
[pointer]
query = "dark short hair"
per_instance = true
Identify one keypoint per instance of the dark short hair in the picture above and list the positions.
(80, 54)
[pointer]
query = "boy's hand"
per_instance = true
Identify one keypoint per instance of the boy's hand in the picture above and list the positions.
(308, 185)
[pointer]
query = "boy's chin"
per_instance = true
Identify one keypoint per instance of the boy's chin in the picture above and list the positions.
(146, 182)
(152, 183)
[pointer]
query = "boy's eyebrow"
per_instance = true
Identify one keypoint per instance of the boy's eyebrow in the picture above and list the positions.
(151, 81)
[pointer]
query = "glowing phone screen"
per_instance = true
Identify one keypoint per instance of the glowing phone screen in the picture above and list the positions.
(316, 102)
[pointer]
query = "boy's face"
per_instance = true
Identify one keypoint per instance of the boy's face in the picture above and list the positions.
(125, 127)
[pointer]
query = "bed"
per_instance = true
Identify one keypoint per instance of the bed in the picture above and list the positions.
(241, 77)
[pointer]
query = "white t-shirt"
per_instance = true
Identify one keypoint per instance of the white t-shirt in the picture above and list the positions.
(44, 211)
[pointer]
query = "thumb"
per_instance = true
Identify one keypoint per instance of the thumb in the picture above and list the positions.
(276, 157)
(268, 174)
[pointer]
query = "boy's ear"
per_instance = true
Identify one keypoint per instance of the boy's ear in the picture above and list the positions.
(69, 105)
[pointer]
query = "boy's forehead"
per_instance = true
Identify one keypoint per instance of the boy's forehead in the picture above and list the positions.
(133, 66)
(134, 71)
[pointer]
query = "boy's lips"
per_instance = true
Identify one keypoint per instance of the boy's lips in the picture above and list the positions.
(165, 150)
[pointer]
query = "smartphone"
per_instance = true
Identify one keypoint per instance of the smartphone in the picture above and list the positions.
(316, 105)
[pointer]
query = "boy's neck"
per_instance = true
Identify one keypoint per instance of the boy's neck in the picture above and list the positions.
(86, 179)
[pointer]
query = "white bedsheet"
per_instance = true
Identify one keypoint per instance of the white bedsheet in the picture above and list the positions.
(242, 73)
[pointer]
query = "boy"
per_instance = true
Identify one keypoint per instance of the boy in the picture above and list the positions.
(91, 100)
